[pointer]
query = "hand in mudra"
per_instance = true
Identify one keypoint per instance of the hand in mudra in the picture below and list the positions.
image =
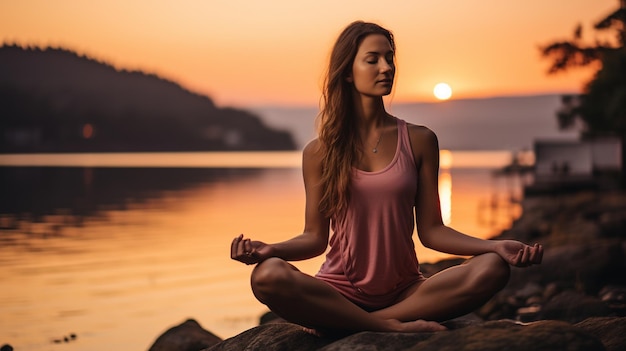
(519, 254)
(248, 251)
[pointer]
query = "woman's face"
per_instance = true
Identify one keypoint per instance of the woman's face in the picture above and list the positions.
(373, 69)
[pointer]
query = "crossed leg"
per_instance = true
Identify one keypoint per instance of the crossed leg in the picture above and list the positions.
(310, 302)
(305, 300)
(452, 292)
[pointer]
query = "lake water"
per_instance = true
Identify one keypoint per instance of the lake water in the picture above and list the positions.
(117, 248)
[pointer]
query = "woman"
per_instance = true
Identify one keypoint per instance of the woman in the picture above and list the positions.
(365, 176)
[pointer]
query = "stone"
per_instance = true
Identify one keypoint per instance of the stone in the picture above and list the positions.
(272, 337)
(573, 307)
(365, 341)
(187, 336)
(506, 335)
(552, 289)
(610, 330)
(587, 267)
(615, 297)
(270, 317)
(529, 313)
(531, 289)
(485, 336)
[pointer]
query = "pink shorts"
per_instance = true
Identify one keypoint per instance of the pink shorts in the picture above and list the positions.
(366, 301)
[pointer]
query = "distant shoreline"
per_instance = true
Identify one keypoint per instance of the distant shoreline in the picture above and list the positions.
(226, 159)
(497, 123)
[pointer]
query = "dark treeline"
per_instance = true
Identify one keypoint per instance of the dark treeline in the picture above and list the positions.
(54, 100)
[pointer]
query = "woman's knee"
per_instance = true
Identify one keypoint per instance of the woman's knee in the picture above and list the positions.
(271, 277)
(491, 272)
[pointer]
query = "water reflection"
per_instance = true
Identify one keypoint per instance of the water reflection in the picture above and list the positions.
(445, 195)
(65, 196)
(123, 253)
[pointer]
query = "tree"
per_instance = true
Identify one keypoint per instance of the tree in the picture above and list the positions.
(601, 107)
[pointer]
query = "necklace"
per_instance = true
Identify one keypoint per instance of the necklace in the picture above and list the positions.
(375, 149)
(380, 137)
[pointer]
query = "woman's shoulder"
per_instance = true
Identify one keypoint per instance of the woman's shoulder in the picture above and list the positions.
(421, 135)
(312, 152)
(313, 147)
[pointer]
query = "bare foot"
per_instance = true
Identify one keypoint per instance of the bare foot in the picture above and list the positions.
(418, 326)
(314, 332)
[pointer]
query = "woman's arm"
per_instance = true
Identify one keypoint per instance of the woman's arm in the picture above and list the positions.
(313, 240)
(431, 230)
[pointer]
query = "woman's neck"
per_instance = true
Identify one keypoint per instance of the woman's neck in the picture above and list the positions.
(370, 112)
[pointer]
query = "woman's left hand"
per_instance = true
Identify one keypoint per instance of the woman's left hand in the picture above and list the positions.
(519, 254)
(248, 251)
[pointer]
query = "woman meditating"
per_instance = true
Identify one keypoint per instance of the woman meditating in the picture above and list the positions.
(371, 177)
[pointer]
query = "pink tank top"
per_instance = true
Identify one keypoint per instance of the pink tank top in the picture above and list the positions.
(372, 245)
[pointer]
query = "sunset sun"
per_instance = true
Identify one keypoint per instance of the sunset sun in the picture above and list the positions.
(442, 91)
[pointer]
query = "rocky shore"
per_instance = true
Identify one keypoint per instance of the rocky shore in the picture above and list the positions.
(575, 300)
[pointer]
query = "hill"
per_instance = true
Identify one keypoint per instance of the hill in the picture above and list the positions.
(53, 100)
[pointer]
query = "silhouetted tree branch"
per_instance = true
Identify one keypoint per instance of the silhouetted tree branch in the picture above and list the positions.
(573, 53)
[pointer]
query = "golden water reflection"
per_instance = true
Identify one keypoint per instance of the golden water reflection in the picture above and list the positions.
(445, 196)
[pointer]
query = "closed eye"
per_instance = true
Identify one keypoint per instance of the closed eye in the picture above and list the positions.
(389, 59)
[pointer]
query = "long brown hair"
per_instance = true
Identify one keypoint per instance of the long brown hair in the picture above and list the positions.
(336, 120)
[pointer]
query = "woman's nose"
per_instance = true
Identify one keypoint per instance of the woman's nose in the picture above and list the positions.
(385, 66)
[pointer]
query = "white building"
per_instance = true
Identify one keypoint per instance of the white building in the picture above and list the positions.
(558, 160)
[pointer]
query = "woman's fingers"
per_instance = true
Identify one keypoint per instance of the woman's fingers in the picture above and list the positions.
(525, 256)
(537, 254)
(234, 245)
(241, 247)
(521, 255)
(530, 255)
(521, 259)
(247, 247)
(242, 250)
(518, 258)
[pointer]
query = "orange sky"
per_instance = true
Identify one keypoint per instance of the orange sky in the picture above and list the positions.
(273, 52)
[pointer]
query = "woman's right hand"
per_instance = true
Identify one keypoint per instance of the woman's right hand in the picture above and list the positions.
(519, 254)
(248, 251)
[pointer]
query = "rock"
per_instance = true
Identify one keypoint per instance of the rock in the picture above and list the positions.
(494, 335)
(188, 336)
(573, 307)
(615, 294)
(531, 289)
(613, 222)
(610, 330)
(587, 267)
(570, 218)
(529, 313)
(502, 306)
(552, 289)
(463, 321)
(615, 297)
(366, 341)
(270, 317)
(272, 337)
(505, 335)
